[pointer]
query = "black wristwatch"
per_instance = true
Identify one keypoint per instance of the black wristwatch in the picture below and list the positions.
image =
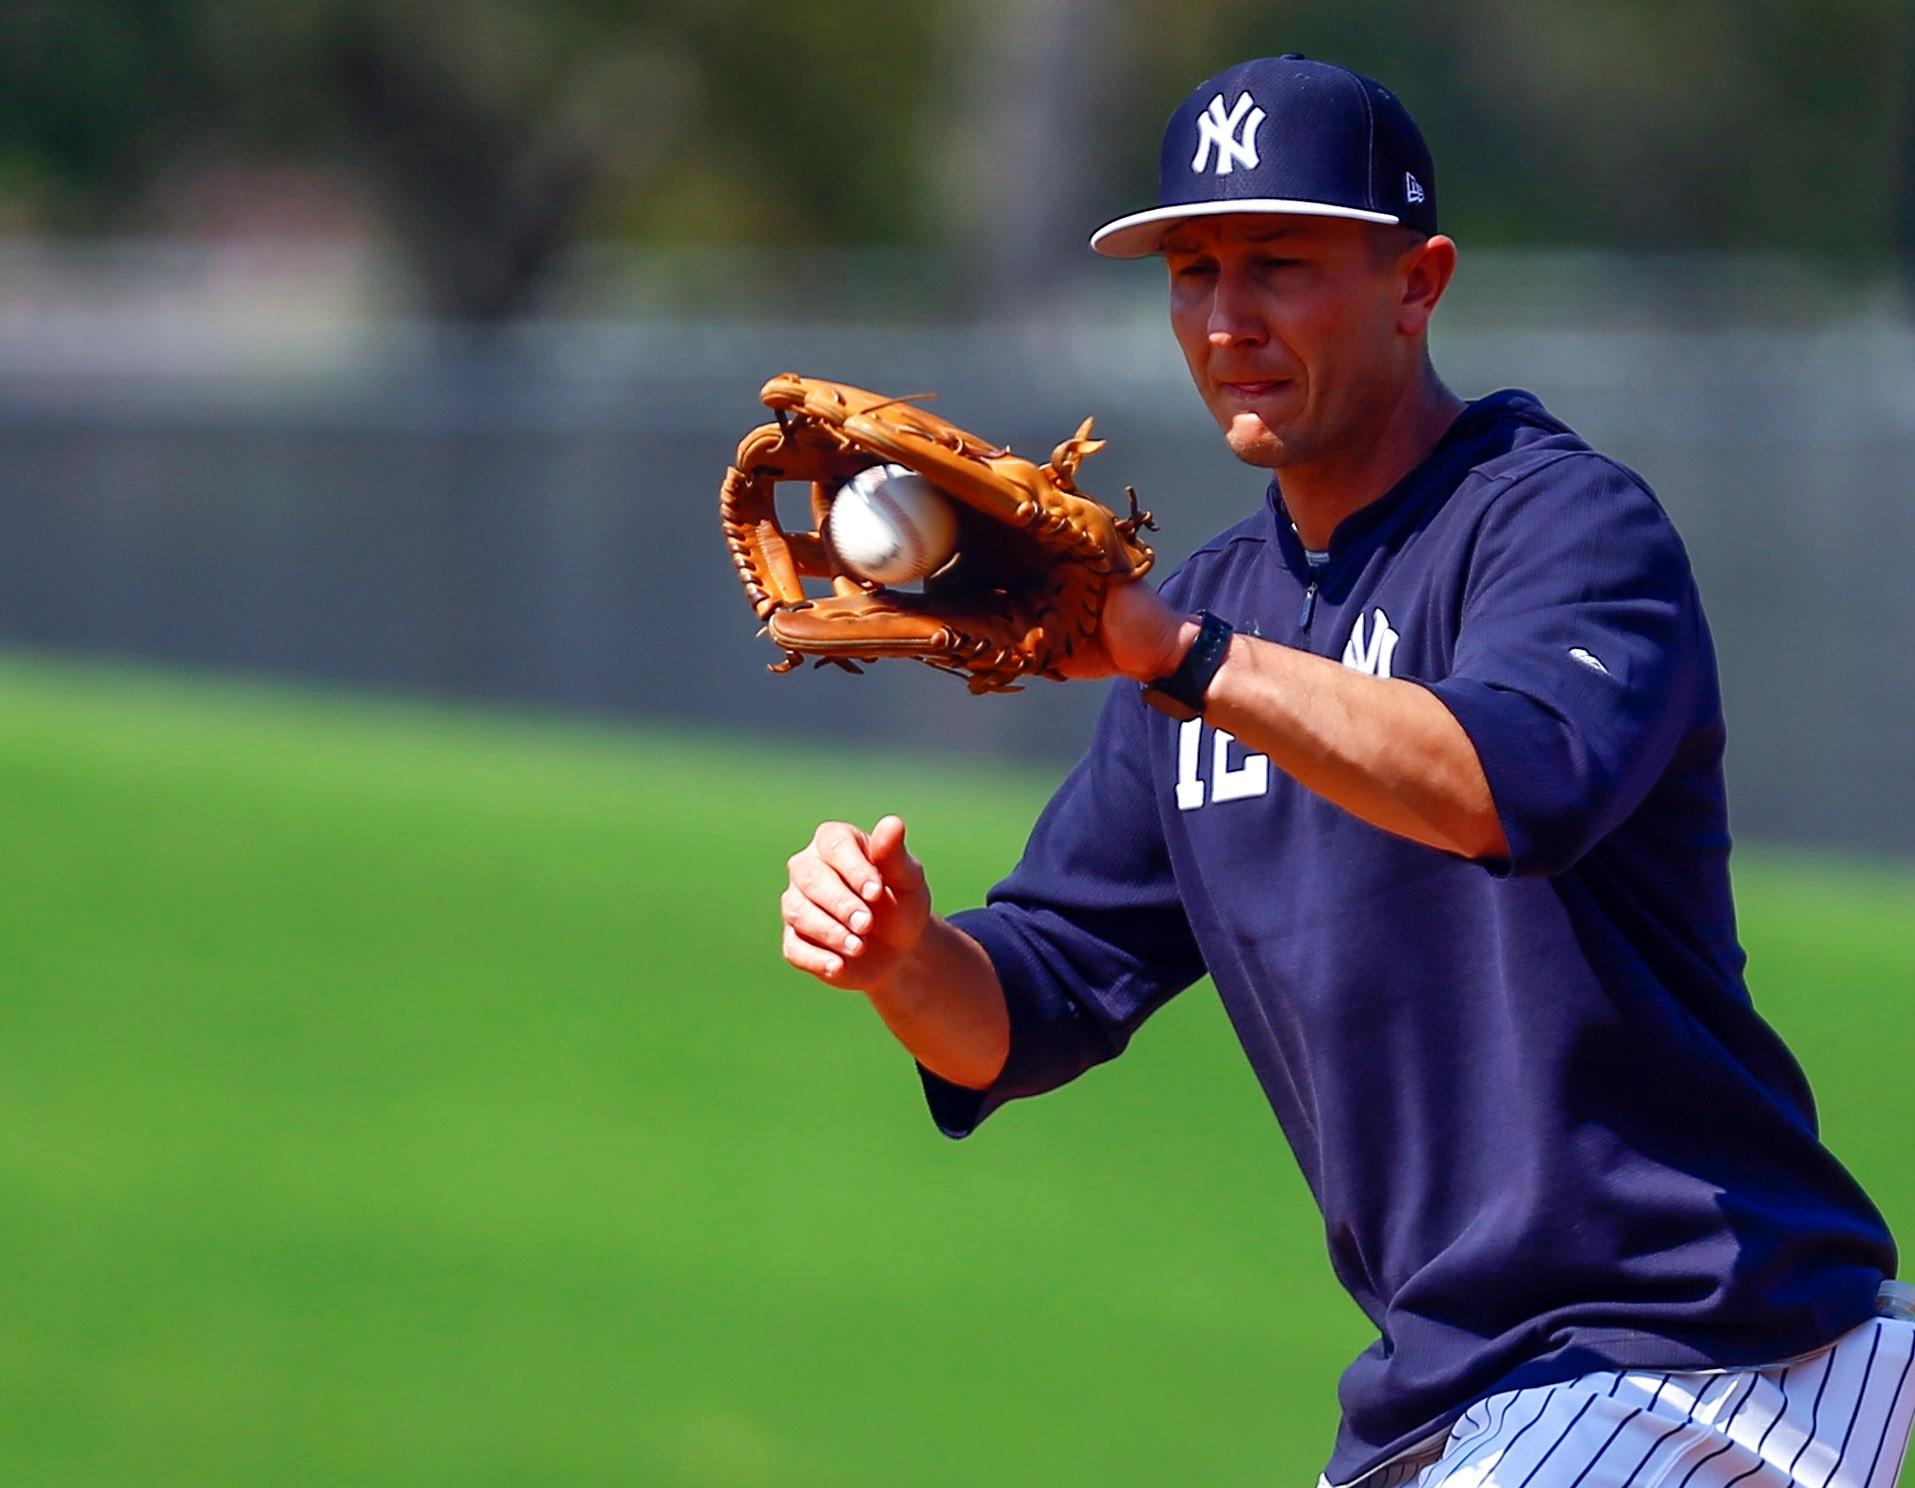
(1181, 694)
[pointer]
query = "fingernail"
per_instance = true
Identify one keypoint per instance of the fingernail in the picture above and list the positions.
(872, 889)
(853, 945)
(833, 966)
(861, 920)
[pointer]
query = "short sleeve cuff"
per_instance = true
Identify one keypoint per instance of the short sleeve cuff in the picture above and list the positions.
(1533, 787)
(1046, 1029)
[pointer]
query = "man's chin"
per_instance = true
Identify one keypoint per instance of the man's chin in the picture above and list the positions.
(1254, 442)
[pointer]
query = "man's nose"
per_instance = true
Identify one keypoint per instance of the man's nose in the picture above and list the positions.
(1236, 317)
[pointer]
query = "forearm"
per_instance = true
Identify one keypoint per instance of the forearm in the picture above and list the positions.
(1384, 749)
(945, 1004)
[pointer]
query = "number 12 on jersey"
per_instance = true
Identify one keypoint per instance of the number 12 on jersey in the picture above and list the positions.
(1240, 782)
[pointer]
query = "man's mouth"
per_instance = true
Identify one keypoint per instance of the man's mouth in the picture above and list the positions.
(1252, 389)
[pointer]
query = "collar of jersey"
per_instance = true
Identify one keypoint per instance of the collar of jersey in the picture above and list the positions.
(1434, 476)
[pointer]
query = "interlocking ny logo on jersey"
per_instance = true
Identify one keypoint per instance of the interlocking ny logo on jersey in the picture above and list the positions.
(1370, 653)
(1233, 134)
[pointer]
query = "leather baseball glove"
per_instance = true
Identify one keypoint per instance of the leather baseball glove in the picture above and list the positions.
(1024, 588)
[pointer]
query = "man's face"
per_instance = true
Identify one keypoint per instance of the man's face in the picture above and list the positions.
(1293, 330)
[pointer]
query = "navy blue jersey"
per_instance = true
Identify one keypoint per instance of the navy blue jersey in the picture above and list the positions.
(1547, 1129)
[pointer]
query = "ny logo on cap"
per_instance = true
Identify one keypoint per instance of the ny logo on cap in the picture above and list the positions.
(1234, 134)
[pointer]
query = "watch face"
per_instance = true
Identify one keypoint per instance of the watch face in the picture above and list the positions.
(1181, 694)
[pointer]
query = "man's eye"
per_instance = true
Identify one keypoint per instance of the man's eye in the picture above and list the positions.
(1281, 263)
(1195, 270)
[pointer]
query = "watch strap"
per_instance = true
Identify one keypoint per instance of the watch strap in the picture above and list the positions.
(1181, 693)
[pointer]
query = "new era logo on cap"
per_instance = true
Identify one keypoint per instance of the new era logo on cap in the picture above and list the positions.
(1284, 135)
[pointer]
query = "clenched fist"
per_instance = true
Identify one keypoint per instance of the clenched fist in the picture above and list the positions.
(856, 905)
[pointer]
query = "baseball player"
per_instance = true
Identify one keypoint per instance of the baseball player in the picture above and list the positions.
(1421, 762)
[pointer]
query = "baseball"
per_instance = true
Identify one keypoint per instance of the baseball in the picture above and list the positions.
(890, 525)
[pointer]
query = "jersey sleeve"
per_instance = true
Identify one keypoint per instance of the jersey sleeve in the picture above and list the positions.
(1577, 666)
(1087, 934)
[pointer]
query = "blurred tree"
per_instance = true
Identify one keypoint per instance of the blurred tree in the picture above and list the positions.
(486, 140)
(491, 134)
(1032, 90)
(95, 96)
(1635, 124)
(814, 126)
(483, 129)
(1905, 179)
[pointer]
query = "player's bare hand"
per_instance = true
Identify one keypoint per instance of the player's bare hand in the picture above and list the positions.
(856, 904)
(1139, 636)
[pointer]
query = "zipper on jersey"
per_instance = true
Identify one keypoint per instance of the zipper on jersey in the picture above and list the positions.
(1310, 590)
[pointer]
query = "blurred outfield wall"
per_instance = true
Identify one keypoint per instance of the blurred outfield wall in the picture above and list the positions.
(530, 514)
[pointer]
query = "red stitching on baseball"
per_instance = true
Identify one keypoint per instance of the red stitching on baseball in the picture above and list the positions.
(902, 520)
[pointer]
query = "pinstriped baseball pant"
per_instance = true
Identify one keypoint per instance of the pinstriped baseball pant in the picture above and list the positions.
(1838, 1418)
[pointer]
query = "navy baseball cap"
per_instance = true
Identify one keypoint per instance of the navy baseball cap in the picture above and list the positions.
(1284, 134)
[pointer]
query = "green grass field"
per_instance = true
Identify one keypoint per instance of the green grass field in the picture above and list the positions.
(399, 1095)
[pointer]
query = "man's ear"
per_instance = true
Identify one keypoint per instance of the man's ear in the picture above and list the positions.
(1427, 271)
